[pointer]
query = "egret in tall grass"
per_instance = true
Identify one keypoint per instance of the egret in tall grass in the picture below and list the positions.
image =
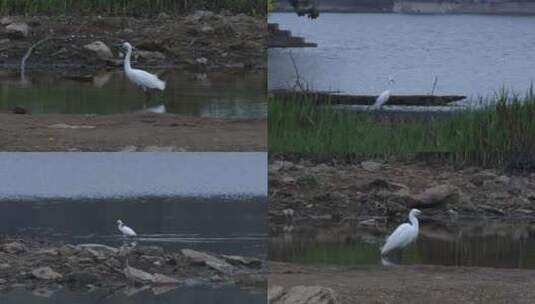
(403, 235)
(143, 79)
(125, 230)
(384, 97)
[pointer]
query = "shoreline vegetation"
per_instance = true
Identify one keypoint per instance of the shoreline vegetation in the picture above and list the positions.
(499, 134)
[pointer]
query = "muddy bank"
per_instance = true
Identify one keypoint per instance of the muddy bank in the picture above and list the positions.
(200, 40)
(312, 193)
(130, 132)
(35, 264)
(409, 284)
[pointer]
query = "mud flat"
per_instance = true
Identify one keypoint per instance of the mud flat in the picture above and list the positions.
(130, 132)
(406, 284)
(331, 192)
(34, 264)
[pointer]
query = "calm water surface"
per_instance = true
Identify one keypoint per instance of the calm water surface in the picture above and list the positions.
(469, 54)
(488, 244)
(224, 95)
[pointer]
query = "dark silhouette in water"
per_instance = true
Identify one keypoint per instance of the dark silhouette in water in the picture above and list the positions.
(305, 7)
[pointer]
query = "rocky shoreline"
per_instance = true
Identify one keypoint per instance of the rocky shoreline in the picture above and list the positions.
(37, 265)
(201, 40)
(307, 192)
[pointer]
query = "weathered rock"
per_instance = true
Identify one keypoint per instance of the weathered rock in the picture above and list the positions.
(137, 275)
(201, 258)
(14, 248)
(83, 277)
(46, 273)
(435, 196)
(107, 250)
(239, 260)
(160, 279)
(100, 49)
(7, 20)
(18, 30)
(371, 166)
(301, 295)
(3, 281)
(200, 15)
(67, 250)
(5, 44)
(480, 178)
(151, 56)
(207, 29)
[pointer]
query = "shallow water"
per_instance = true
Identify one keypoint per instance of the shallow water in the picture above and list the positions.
(112, 175)
(486, 244)
(190, 295)
(224, 226)
(224, 95)
(469, 55)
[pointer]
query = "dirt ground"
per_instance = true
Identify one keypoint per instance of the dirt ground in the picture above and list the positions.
(412, 284)
(202, 39)
(129, 132)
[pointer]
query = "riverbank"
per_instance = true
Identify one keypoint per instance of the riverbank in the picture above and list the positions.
(200, 40)
(130, 132)
(315, 192)
(406, 284)
(37, 264)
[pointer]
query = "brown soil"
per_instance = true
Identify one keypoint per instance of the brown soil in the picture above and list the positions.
(129, 132)
(224, 40)
(412, 284)
(335, 192)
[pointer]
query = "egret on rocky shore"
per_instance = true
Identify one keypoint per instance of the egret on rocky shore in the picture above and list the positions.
(403, 235)
(384, 97)
(145, 80)
(125, 230)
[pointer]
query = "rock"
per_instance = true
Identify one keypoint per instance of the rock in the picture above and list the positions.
(301, 295)
(7, 20)
(18, 30)
(207, 29)
(149, 250)
(163, 15)
(238, 260)
(202, 60)
(44, 292)
(480, 178)
(67, 126)
(151, 56)
(199, 15)
(14, 248)
(107, 250)
(4, 266)
(46, 273)
(83, 277)
(68, 250)
(201, 258)
(5, 44)
(435, 196)
(161, 279)
(2, 281)
(371, 166)
(138, 276)
(102, 50)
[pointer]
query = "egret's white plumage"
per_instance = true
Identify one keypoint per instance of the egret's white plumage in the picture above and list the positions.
(125, 230)
(403, 235)
(381, 100)
(139, 77)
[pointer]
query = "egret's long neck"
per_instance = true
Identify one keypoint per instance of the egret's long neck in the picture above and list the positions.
(127, 66)
(414, 221)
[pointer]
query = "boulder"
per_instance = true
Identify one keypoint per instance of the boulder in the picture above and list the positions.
(46, 273)
(160, 279)
(201, 258)
(14, 248)
(137, 275)
(301, 295)
(100, 49)
(239, 260)
(106, 250)
(18, 30)
(5, 44)
(371, 166)
(436, 196)
(7, 20)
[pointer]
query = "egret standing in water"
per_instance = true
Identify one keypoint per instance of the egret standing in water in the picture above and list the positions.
(125, 230)
(145, 80)
(403, 235)
(383, 98)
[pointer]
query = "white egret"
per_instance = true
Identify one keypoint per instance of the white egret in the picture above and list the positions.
(145, 80)
(384, 97)
(403, 235)
(125, 230)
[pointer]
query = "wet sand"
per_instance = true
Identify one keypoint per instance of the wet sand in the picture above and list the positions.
(412, 284)
(130, 132)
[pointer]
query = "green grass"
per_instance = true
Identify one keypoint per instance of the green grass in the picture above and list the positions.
(499, 135)
(128, 7)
